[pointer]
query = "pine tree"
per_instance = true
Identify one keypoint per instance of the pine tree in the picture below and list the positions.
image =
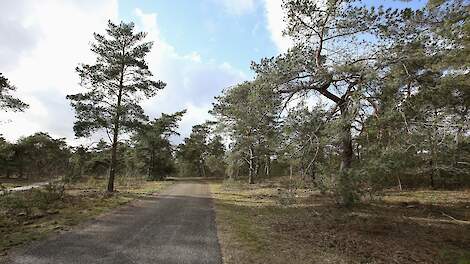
(114, 85)
(249, 113)
(153, 144)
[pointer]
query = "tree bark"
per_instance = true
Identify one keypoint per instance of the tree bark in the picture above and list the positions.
(312, 173)
(203, 170)
(399, 183)
(290, 171)
(268, 165)
(251, 169)
(112, 166)
(431, 175)
(346, 139)
(151, 169)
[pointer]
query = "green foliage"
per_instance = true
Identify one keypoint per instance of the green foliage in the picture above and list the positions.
(191, 153)
(34, 157)
(248, 113)
(422, 107)
(115, 85)
(202, 153)
(303, 131)
(397, 99)
(318, 64)
(148, 152)
(153, 145)
(7, 101)
(88, 161)
(27, 202)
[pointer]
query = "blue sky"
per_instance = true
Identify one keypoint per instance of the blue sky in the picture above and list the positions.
(209, 29)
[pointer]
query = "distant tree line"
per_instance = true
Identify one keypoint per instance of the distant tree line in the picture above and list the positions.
(113, 87)
(202, 153)
(34, 157)
(148, 153)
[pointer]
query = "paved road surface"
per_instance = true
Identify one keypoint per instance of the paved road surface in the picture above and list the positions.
(176, 227)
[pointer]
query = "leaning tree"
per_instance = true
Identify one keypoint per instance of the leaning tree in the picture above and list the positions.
(333, 57)
(114, 85)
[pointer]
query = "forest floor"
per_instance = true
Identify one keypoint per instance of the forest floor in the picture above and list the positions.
(33, 214)
(266, 223)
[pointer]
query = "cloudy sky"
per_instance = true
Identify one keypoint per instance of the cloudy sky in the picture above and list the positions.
(200, 48)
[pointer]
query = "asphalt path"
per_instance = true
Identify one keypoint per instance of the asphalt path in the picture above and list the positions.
(176, 226)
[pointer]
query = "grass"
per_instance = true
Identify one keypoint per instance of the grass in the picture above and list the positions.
(257, 225)
(9, 185)
(32, 215)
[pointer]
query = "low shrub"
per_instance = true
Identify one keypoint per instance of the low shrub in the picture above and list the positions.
(23, 204)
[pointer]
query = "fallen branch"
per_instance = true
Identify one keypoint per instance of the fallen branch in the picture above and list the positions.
(453, 218)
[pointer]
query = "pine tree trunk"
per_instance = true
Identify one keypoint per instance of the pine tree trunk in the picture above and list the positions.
(151, 169)
(346, 140)
(268, 166)
(399, 183)
(431, 175)
(237, 171)
(250, 175)
(345, 185)
(112, 167)
(203, 170)
(251, 169)
(312, 173)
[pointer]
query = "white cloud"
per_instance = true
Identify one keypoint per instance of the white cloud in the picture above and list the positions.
(238, 7)
(44, 70)
(276, 24)
(149, 22)
(192, 82)
(59, 34)
(18, 35)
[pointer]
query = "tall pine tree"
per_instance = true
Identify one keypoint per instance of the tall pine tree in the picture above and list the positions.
(114, 85)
